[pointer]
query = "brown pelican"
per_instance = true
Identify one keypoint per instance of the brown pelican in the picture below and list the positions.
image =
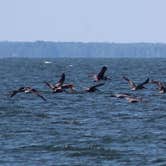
(100, 75)
(68, 86)
(93, 88)
(61, 81)
(120, 95)
(27, 90)
(161, 86)
(58, 86)
(133, 99)
(128, 97)
(133, 86)
(51, 86)
(58, 89)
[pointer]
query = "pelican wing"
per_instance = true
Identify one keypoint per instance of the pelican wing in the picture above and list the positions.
(61, 81)
(17, 91)
(67, 86)
(133, 99)
(34, 91)
(51, 86)
(95, 86)
(145, 82)
(155, 82)
(14, 93)
(158, 83)
(131, 83)
(120, 95)
(102, 72)
(162, 84)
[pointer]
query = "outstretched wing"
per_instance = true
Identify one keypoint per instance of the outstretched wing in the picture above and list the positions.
(67, 86)
(95, 86)
(131, 83)
(145, 82)
(61, 81)
(14, 93)
(17, 91)
(102, 72)
(120, 95)
(133, 99)
(34, 91)
(51, 86)
(158, 83)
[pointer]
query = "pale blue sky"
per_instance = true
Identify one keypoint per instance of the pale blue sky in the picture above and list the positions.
(83, 20)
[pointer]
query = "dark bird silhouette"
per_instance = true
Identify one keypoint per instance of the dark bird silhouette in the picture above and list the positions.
(101, 74)
(58, 86)
(61, 81)
(68, 86)
(161, 86)
(93, 88)
(27, 90)
(64, 87)
(51, 86)
(133, 86)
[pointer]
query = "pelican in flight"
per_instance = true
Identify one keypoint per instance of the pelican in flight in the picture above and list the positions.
(93, 88)
(133, 86)
(128, 97)
(132, 99)
(27, 90)
(101, 74)
(60, 86)
(61, 81)
(57, 86)
(120, 95)
(161, 86)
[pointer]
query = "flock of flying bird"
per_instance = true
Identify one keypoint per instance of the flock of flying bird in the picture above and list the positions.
(60, 87)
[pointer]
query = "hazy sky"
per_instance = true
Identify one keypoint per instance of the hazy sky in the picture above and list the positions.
(83, 20)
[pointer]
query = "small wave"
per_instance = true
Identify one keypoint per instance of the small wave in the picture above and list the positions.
(47, 62)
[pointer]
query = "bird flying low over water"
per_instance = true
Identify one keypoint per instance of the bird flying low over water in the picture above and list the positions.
(128, 97)
(93, 88)
(100, 75)
(27, 90)
(161, 86)
(60, 86)
(133, 99)
(66, 86)
(120, 95)
(61, 81)
(133, 86)
(57, 86)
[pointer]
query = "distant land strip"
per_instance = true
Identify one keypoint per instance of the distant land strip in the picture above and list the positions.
(46, 49)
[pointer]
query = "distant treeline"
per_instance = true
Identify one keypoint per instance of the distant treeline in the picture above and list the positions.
(74, 49)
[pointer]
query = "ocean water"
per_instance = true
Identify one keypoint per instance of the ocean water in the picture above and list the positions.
(90, 129)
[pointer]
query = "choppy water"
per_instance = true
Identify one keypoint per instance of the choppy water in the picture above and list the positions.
(81, 129)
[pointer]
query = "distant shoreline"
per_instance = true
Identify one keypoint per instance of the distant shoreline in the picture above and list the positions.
(44, 49)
